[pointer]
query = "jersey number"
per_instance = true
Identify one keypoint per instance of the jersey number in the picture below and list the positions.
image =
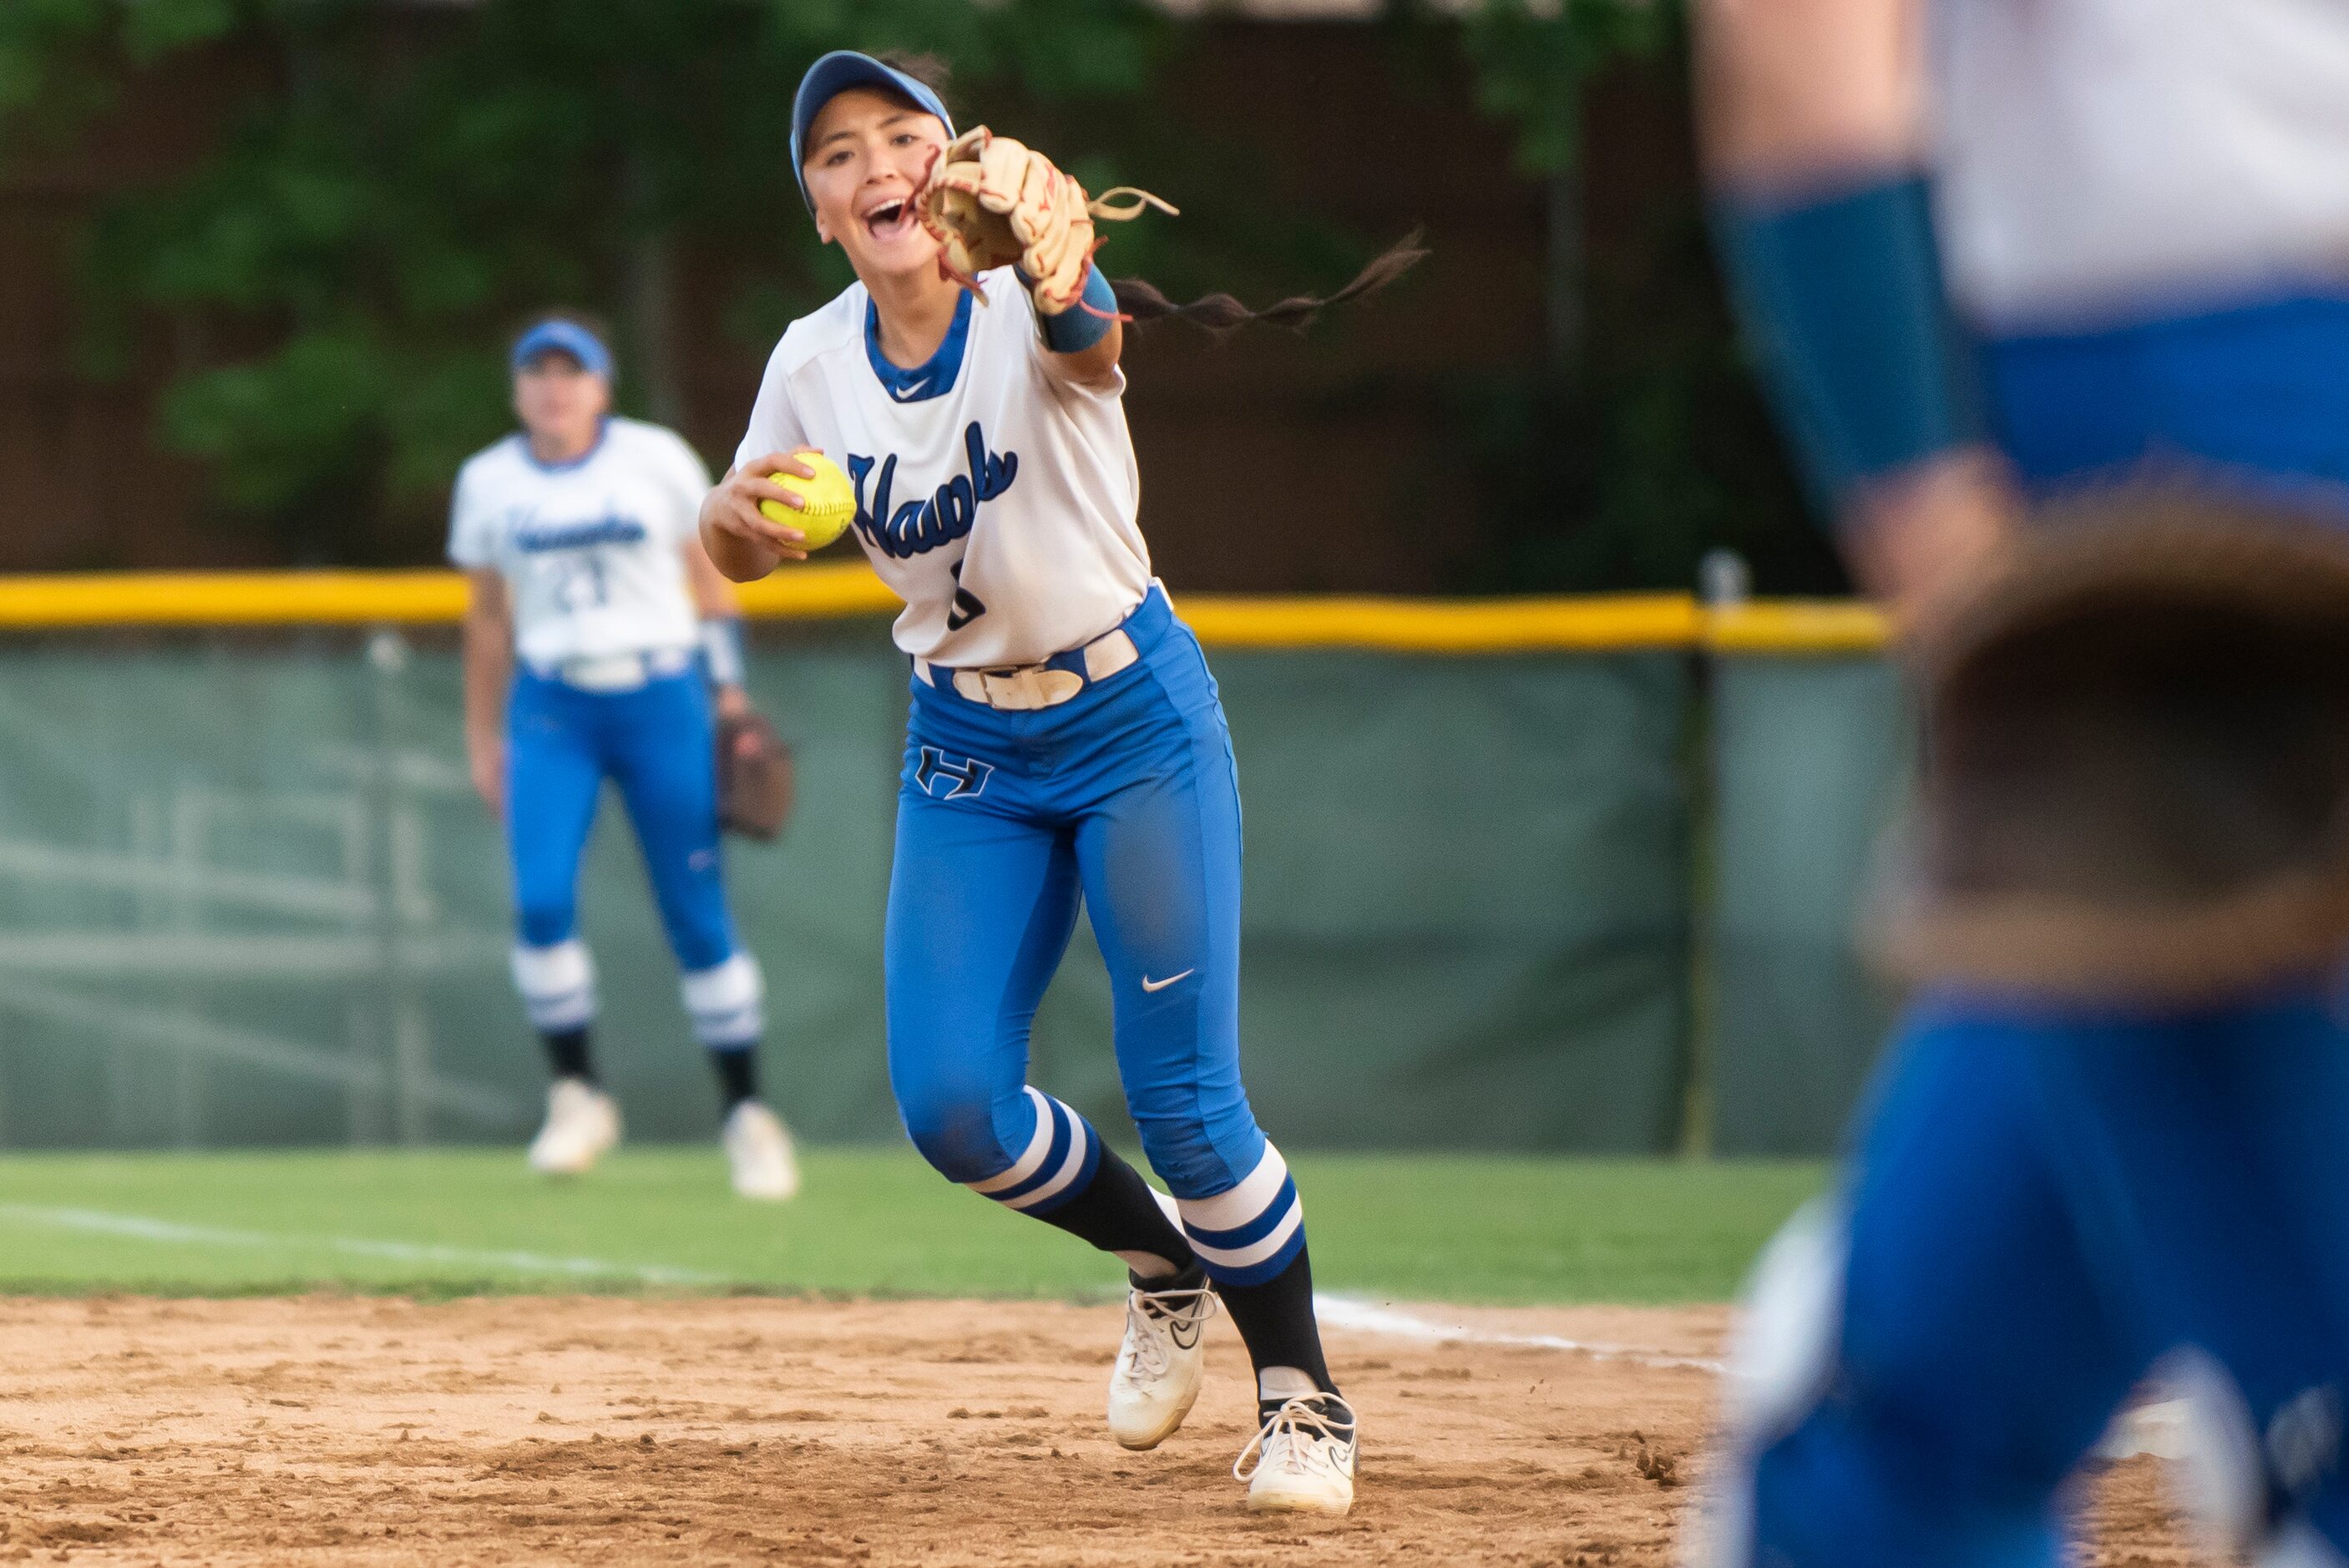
(581, 583)
(967, 605)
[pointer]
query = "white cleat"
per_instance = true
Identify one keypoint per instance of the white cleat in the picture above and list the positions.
(583, 1123)
(759, 1149)
(1156, 1380)
(1304, 1459)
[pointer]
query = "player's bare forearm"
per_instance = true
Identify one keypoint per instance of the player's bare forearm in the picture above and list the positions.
(1811, 114)
(1796, 91)
(1094, 365)
(743, 542)
(737, 559)
(488, 680)
(713, 595)
(714, 601)
(489, 652)
(1916, 537)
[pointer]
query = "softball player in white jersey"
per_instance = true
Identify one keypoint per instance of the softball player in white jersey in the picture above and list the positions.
(1994, 250)
(1066, 739)
(585, 570)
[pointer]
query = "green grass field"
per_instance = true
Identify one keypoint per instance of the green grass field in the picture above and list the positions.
(871, 1222)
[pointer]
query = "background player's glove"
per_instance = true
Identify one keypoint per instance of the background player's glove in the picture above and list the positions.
(2135, 782)
(991, 201)
(755, 777)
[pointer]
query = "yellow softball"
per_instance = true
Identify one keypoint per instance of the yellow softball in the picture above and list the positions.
(831, 501)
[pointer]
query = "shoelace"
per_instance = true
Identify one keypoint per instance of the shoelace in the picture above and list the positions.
(1146, 1309)
(1293, 1440)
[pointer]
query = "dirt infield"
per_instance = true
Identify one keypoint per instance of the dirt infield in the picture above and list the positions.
(365, 1430)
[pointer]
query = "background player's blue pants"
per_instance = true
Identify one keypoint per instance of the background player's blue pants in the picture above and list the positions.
(2044, 1204)
(657, 743)
(1126, 795)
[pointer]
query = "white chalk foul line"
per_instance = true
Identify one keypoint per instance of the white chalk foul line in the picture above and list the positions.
(2161, 1428)
(2157, 1428)
(140, 1227)
(1369, 1317)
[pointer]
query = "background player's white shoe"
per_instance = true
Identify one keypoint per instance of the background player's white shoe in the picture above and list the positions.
(759, 1149)
(1159, 1367)
(1304, 1459)
(581, 1123)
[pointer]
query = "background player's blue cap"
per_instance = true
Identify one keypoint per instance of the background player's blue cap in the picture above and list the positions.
(836, 74)
(564, 337)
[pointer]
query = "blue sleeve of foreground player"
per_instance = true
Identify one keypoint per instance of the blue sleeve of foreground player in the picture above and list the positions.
(1842, 298)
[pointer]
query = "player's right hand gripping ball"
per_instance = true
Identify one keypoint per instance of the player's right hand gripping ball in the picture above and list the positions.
(991, 201)
(831, 501)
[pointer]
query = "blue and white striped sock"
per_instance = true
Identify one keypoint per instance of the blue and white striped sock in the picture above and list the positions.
(1247, 1236)
(1057, 1164)
(557, 985)
(727, 1002)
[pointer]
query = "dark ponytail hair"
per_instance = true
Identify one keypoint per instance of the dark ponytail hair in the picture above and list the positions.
(1141, 300)
(1220, 313)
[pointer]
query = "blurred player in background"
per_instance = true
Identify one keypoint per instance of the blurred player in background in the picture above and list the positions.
(1066, 741)
(578, 536)
(2141, 211)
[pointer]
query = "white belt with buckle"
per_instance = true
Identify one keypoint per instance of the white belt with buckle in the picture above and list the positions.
(611, 673)
(1026, 688)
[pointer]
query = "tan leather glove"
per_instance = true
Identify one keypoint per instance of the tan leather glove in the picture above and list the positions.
(991, 201)
(2135, 778)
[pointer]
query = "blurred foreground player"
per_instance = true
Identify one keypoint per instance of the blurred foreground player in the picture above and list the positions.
(578, 536)
(2113, 1132)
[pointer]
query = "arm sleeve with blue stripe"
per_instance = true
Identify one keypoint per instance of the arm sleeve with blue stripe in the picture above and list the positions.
(1076, 329)
(1842, 299)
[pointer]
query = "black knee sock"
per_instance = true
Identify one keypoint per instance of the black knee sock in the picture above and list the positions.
(566, 1053)
(1276, 1318)
(738, 1076)
(1117, 1213)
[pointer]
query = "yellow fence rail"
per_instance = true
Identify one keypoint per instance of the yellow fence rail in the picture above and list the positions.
(1589, 624)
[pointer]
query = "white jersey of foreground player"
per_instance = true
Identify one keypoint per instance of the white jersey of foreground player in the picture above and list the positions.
(2105, 160)
(590, 550)
(1002, 510)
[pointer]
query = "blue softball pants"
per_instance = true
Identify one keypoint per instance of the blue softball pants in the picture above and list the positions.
(2047, 1206)
(657, 743)
(1125, 799)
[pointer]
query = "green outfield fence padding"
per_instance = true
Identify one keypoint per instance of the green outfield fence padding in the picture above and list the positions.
(247, 897)
(1467, 904)
(1809, 757)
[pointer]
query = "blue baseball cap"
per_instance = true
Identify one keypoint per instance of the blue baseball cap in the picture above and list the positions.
(564, 337)
(836, 74)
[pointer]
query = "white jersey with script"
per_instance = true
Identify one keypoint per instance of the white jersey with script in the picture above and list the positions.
(996, 498)
(589, 549)
(2103, 160)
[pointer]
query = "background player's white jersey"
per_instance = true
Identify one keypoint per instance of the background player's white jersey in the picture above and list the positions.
(2104, 160)
(999, 505)
(590, 550)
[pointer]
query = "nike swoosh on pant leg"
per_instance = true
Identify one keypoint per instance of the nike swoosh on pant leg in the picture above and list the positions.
(1150, 984)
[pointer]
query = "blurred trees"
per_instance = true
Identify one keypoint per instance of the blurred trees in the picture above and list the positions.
(420, 177)
(427, 176)
(1639, 441)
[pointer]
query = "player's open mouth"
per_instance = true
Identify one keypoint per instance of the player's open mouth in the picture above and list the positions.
(891, 221)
